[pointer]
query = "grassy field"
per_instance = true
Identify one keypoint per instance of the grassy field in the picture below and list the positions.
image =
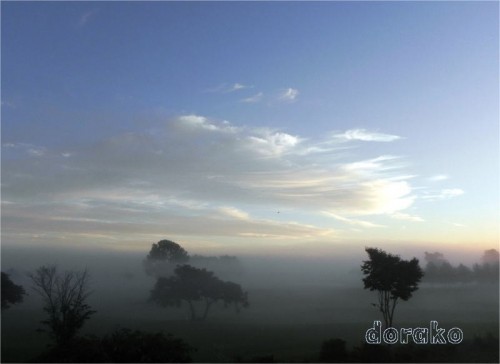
(288, 323)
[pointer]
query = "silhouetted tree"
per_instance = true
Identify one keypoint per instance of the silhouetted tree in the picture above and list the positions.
(439, 270)
(192, 285)
(490, 256)
(436, 258)
(64, 295)
(447, 273)
(464, 273)
(431, 272)
(162, 253)
(436, 267)
(393, 279)
(11, 292)
(486, 273)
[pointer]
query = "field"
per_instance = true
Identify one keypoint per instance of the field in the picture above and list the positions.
(286, 323)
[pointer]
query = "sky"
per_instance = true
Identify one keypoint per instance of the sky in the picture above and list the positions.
(251, 127)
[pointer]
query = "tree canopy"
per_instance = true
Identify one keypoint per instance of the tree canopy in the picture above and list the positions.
(191, 285)
(393, 279)
(439, 270)
(165, 251)
(11, 292)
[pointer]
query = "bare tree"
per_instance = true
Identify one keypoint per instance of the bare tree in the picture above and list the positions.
(65, 295)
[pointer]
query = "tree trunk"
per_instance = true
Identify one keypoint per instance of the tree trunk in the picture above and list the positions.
(394, 302)
(192, 311)
(208, 303)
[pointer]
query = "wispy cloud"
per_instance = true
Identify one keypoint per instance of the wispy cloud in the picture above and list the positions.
(406, 217)
(350, 221)
(36, 152)
(194, 122)
(253, 99)
(228, 88)
(26, 148)
(443, 194)
(289, 95)
(7, 103)
(438, 177)
(366, 136)
(85, 17)
(452, 192)
(201, 176)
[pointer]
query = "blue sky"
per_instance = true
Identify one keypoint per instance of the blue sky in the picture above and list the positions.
(127, 122)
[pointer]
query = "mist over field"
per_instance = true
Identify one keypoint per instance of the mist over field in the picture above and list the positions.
(296, 304)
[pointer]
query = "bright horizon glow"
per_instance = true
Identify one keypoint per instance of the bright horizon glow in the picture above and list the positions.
(247, 128)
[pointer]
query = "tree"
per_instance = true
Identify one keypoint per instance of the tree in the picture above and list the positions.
(11, 292)
(191, 285)
(490, 257)
(64, 295)
(165, 251)
(393, 279)
(435, 258)
(464, 273)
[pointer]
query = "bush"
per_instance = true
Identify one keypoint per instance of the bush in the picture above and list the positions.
(122, 346)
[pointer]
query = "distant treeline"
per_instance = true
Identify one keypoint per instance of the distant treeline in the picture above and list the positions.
(439, 270)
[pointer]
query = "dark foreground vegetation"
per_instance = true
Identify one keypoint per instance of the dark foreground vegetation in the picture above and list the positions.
(122, 346)
(479, 349)
(173, 307)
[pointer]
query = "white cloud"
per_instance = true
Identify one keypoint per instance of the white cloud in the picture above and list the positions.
(406, 217)
(444, 194)
(29, 149)
(372, 165)
(350, 221)
(366, 136)
(253, 99)
(238, 86)
(290, 94)
(451, 192)
(194, 122)
(197, 176)
(438, 177)
(36, 152)
(233, 213)
(271, 143)
(228, 88)
(85, 17)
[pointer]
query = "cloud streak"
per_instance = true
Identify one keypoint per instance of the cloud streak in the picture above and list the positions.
(253, 99)
(444, 194)
(85, 18)
(366, 136)
(197, 176)
(289, 95)
(228, 88)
